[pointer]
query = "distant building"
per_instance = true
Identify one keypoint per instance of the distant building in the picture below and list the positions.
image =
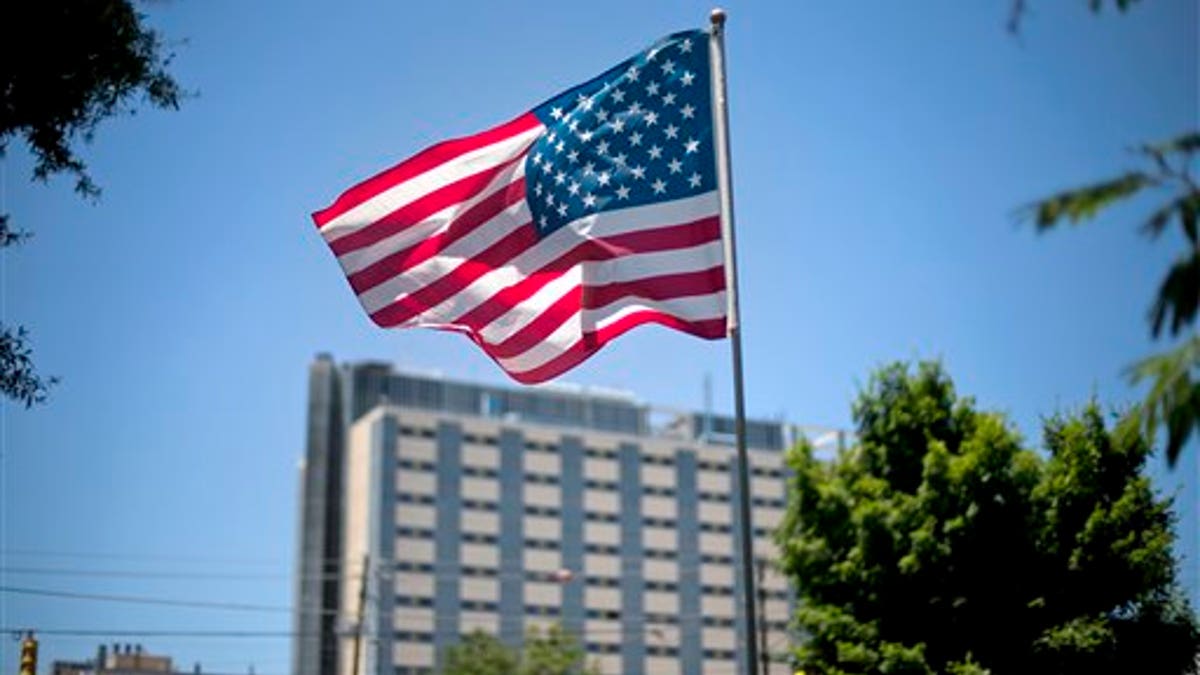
(121, 660)
(494, 508)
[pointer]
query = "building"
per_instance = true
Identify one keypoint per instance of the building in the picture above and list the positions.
(121, 660)
(465, 506)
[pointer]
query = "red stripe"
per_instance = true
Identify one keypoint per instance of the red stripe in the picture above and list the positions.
(421, 208)
(643, 241)
(420, 163)
(590, 343)
(460, 277)
(663, 287)
(401, 261)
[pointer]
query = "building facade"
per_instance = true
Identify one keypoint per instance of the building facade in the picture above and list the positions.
(467, 507)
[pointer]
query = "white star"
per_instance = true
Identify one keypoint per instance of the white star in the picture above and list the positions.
(651, 118)
(639, 172)
(603, 178)
(602, 115)
(685, 46)
(692, 145)
(537, 158)
(550, 199)
(659, 186)
(652, 89)
(622, 192)
(562, 210)
(618, 125)
(694, 180)
(632, 74)
(559, 147)
(573, 188)
(560, 178)
(635, 138)
(543, 221)
(602, 147)
(655, 152)
(669, 99)
(618, 96)
(585, 136)
(552, 137)
(687, 111)
(589, 168)
(687, 78)
(635, 109)
(675, 165)
(537, 189)
(573, 156)
(668, 67)
(619, 160)
(584, 102)
(573, 126)
(547, 168)
(589, 200)
(671, 131)
(556, 113)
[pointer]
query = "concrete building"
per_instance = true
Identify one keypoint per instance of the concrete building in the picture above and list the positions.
(464, 506)
(125, 659)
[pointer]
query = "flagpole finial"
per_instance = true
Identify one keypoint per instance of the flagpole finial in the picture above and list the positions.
(717, 17)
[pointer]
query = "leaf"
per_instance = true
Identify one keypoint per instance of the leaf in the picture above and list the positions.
(1084, 203)
(1174, 397)
(1187, 143)
(1186, 207)
(1178, 296)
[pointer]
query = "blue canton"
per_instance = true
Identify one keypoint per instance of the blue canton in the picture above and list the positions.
(638, 134)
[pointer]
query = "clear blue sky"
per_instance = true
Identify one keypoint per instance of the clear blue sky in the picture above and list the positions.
(880, 152)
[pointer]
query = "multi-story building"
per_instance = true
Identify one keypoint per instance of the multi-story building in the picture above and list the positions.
(465, 506)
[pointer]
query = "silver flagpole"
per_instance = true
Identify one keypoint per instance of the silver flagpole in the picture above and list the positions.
(720, 112)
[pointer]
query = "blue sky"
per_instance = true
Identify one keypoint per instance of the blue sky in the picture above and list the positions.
(880, 153)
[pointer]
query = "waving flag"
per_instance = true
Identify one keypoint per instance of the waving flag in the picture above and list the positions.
(547, 236)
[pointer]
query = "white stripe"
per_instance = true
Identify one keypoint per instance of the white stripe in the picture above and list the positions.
(358, 259)
(599, 225)
(429, 271)
(420, 185)
(601, 272)
(694, 308)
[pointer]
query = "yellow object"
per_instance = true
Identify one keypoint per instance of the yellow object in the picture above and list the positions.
(29, 649)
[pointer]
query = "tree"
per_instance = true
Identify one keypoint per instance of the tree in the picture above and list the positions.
(479, 654)
(554, 652)
(938, 544)
(90, 61)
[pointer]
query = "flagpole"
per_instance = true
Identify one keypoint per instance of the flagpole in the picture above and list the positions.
(720, 109)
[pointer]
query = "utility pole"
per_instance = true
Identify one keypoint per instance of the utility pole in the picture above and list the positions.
(762, 618)
(362, 603)
(29, 653)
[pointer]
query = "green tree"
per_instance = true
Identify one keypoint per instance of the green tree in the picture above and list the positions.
(939, 544)
(479, 654)
(553, 652)
(86, 61)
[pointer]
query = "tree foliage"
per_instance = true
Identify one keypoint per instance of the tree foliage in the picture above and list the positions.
(553, 652)
(939, 544)
(85, 61)
(1173, 400)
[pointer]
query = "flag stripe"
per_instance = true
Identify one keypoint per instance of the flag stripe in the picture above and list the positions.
(590, 343)
(425, 162)
(510, 181)
(401, 261)
(507, 312)
(450, 195)
(616, 229)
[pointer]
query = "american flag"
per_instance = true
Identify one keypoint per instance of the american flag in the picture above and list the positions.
(548, 236)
